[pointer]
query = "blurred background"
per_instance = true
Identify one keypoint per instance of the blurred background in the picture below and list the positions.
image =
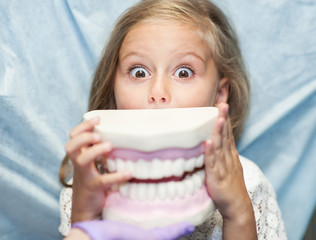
(49, 50)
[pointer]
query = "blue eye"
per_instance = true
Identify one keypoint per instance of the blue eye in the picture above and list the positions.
(183, 72)
(139, 72)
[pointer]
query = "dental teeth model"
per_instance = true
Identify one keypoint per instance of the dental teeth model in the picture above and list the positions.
(163, 149)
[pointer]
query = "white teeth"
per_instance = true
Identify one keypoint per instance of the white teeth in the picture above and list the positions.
(111, 166)
(167, 168)
(170, 187)
(189, 165)
(132, 191)
(189, 186)
(141, 169)
(165, 190)
(178, 167)
(180, 190)
(156, 168)
(151, 191)
(200, 161)
(197, 180)
(202, 175)
(141, 191)
(161, 190)
(130, 166)
(120, 165)
(124, 189)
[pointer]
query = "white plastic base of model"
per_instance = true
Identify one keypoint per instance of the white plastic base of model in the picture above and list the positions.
(162, 221)
(194, 208)
(154, 129)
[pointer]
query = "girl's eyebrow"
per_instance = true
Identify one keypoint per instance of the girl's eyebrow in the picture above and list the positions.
(193, 54)
(180, 54)
(132, 53)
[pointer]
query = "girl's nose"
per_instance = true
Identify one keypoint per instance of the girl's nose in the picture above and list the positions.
(159, 93)
(157, 100)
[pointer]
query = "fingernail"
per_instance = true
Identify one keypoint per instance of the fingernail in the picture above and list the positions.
(127, 175)
(96, 137)
(95, 119)
(107, 146)
(226, 108)
(221, 122)
(209, 145)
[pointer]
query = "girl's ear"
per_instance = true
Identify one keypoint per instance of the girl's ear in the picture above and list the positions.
(222, 92)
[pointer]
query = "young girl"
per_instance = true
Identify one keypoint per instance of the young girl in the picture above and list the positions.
(168, 54)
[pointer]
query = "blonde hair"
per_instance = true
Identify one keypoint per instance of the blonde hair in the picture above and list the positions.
(213, 25)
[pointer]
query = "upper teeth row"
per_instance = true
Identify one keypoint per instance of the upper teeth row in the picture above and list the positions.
(156, 168)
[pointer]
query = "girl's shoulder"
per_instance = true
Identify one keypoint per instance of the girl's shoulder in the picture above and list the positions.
(254, 177)
(267, 212)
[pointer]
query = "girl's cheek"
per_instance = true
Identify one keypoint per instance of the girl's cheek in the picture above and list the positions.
(131, 102)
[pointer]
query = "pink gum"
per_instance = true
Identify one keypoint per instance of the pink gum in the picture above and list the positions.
(192, 204)
(168, 153)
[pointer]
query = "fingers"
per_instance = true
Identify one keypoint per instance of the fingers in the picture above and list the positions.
(84, 126)
(209, 156)
(223, 110)
(90, 154)
(105, 181)
(74, 146)
(218, 148)
(82, 136)
(221, 130)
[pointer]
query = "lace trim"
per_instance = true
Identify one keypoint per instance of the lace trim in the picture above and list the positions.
(65, 202)
(267, 213)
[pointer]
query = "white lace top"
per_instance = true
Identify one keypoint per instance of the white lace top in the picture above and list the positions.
(267, 213)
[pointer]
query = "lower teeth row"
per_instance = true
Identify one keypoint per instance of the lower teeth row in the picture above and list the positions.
(163, 191)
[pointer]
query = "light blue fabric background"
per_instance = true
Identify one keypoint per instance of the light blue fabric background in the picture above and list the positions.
(48, 53)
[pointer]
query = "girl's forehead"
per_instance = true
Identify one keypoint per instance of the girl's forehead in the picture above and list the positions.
(165, 38)
(154, 22)
(161, 28)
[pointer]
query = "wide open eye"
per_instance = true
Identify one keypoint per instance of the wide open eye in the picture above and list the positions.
(183, 72)
(139, 72)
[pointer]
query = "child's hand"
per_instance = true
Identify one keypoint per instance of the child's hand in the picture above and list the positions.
(89, 186)
(224, 175)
